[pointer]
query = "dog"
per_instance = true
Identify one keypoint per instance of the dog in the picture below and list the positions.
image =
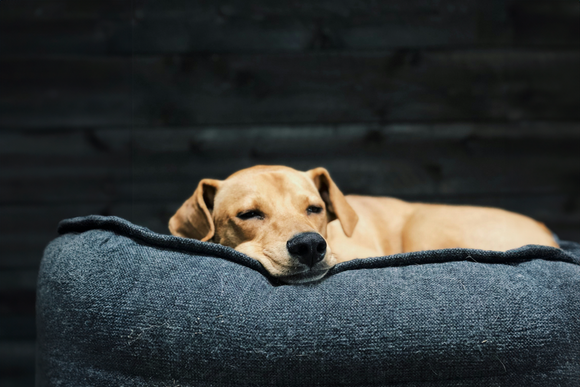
(298, 225)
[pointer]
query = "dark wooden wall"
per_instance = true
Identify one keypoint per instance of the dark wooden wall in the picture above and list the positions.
(119, 108)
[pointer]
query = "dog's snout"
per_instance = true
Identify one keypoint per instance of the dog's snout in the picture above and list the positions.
(309, 248)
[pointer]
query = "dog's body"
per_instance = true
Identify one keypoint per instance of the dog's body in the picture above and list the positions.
(389, 226)
(299, 224)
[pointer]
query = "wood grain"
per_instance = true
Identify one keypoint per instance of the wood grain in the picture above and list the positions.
(17, 362)
(399, 86)
(164, 164)
(154, 27)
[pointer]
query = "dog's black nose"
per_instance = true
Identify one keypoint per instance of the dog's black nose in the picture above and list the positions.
(309, 248)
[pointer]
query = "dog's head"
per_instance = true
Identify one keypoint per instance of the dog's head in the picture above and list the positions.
(274, 214)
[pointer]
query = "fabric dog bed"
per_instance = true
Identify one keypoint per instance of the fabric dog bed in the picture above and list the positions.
(119, 305)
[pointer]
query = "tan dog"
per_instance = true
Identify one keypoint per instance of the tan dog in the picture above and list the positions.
(298, 224)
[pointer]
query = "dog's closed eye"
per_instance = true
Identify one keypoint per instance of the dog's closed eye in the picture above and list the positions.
(245, 215)
(314, 210)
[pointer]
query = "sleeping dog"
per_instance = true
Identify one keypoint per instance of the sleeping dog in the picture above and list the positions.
(299, 224)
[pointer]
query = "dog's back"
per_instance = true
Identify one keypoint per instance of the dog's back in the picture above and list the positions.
(390, 226)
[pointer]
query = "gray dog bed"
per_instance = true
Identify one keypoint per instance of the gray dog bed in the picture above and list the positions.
(119, 305)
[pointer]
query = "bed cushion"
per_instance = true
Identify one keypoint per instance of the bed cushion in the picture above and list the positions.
(120, 305)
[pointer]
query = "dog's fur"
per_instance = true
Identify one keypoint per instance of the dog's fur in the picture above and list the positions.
(258, 210)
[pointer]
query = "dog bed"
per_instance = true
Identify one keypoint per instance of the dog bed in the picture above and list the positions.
(119, 305)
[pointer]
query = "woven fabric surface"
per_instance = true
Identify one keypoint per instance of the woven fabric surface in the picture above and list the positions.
(119, 305)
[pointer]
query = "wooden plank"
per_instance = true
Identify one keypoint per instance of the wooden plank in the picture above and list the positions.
(17, 231)
(24, 379)
(91, 92)
(15, 223)
(528, 23)
(17, 327)
(222, 153)
(17, 302)
(165, 164)
(401, 86)
(153, 27)
(34, 36)
(18, 280)
(17, 358)
(65, 9)
(116, 141)
(22, 251)
(566, 232)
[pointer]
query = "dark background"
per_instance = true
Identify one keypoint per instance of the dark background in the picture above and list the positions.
(119, 107)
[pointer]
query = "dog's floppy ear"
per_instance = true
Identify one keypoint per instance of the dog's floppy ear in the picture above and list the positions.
(193, 219)
(336, 204)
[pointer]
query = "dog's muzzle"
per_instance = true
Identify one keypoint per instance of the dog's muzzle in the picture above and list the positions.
(308, 248)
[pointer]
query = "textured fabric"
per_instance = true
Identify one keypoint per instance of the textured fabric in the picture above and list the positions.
(119, 305)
